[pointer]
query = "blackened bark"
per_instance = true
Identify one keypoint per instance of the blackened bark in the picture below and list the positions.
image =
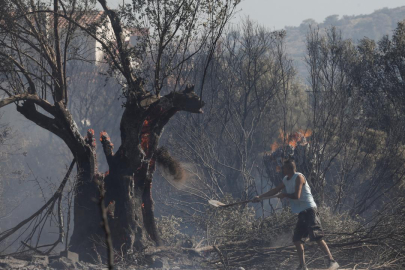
(87, 229)
(86, 212)
(128, 183)
(149, 214)
(125, 192)
(125, 184)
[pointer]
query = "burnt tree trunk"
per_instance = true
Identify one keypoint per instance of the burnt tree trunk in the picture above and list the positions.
(128, 183)
(86, 213)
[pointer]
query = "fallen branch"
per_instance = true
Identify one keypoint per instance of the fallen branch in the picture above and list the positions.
(32, 248)
(222, 258)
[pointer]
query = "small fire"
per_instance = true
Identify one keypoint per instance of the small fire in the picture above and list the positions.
(274, 146)
(105, 138)
(293, 139)
(145, 142)
(143, 205)
(90, 137)
(145, 136)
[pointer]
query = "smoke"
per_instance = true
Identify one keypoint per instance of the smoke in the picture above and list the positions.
(281, 240)
(170, 167)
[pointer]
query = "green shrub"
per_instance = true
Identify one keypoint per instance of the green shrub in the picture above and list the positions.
(169, 228)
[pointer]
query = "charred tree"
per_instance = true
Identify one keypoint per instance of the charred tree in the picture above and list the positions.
(128, 182)
(36, 52)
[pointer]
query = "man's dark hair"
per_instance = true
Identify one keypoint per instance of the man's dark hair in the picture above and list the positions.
(290, 164)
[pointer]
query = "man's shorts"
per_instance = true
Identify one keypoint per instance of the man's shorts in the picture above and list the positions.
(309, 224)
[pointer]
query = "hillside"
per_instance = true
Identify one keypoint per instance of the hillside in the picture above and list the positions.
(373, 26)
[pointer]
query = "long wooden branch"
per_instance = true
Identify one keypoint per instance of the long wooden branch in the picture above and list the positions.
(32, 97)
(54, 125)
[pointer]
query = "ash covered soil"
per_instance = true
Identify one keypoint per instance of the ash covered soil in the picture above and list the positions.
(170, 260)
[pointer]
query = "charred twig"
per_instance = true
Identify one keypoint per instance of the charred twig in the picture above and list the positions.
(32, 248)
(69, 202)
(60, 225)
(50, 202)
(221, 256)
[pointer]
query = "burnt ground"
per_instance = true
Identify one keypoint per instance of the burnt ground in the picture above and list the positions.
(165, 258)
(162, 260)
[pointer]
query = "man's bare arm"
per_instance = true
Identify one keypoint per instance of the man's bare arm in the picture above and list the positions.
(299, 182)
(270, 193)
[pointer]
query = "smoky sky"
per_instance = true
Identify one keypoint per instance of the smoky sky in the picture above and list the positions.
(277, 14)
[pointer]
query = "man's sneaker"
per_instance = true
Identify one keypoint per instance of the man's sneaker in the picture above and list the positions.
(302, 267)
(333, 265)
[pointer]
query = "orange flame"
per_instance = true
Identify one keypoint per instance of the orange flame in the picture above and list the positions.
(306, 133)
(104, 134)
(292, 139)
(145, 136)
(145, 142)
(274, 146)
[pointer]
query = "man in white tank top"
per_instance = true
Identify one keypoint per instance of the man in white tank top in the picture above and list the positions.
(302, 203)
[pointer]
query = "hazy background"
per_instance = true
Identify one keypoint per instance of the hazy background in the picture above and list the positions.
(278, 14)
